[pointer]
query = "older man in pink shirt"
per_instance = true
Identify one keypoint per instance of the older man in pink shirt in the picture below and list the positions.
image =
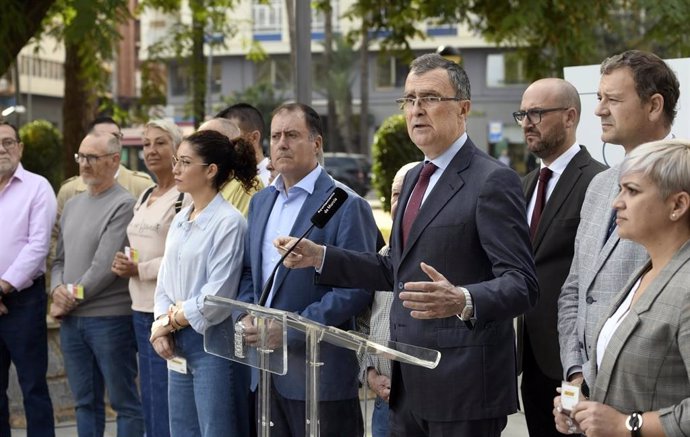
(27, 214)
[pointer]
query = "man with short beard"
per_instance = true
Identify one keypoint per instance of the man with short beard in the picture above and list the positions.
(96, 333)
(549, 114)
(638, 94)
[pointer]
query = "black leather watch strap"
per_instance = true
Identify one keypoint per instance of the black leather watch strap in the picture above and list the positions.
(634, 424)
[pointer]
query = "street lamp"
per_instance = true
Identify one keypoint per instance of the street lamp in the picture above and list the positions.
(16, 110)
(450, 53)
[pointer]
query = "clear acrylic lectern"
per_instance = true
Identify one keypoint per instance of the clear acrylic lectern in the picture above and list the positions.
(225, 339)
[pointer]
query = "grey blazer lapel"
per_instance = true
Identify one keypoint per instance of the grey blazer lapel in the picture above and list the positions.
(446, 187)
(604, 210)
(625, 330)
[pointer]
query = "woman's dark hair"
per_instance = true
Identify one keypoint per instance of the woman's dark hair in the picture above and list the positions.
(235, 159)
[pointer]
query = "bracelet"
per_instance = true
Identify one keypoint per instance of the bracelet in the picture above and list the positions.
(173, 321)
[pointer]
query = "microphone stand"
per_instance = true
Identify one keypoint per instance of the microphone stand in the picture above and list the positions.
(269, 283)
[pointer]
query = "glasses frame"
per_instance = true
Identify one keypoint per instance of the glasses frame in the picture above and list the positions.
(409, 102)
(519, 116)
(90, 159)
(175, 160)
(13, 145)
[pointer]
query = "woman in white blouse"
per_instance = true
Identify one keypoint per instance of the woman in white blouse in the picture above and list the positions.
(642, 359)
(147, 231)
(207, 395)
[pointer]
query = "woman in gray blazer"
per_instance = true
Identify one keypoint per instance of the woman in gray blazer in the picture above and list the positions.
(642, 358)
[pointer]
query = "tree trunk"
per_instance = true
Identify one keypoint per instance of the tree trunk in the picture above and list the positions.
(290, 11)
(331, 120)
(78, 107)
(198, 67)
(364, 91)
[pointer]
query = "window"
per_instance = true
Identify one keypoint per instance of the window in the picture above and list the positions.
(505, 69)
(318, 20)
(390, 72)
(216, 78)
(268, 18)
(276, 71)
(179, 80)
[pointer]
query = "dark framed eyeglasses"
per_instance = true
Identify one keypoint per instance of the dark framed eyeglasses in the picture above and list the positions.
(534, 115)
(90, 159)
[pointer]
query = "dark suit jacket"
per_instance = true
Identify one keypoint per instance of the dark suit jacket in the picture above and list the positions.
(472, 229)
(353, 227)
(553, 252)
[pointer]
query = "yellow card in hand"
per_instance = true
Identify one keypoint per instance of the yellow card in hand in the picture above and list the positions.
(77, 290)
(132, 254)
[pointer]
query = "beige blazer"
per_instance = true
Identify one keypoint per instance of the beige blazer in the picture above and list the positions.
(646, 365)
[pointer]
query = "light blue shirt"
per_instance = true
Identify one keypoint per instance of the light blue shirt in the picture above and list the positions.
(285, 210)
(202, 258)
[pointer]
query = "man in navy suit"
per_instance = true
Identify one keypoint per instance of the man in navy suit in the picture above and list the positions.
(460, 265)
(285, 208)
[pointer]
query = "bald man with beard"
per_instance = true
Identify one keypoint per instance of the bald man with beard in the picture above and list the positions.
(549, 114)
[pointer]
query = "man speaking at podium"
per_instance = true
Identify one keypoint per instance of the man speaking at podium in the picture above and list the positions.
(460, 265)
(285, 208)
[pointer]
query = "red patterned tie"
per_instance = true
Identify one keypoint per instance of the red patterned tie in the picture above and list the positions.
(544, 176)
(415, 201)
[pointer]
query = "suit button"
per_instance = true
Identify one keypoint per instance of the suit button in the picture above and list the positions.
(401, 286)
(589, 300)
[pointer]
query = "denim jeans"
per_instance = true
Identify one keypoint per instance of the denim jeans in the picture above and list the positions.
(379, 418)
(210, 400)
(23, 340)
(153, 379)
(100, 352)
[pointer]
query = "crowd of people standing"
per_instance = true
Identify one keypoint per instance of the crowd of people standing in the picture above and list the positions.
(593, 262)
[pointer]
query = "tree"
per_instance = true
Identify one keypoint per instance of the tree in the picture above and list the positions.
(392, 149)
(549, 34)
(20, 21)
(185, 42)
(42, 149)
(76, 22)
(261, 95)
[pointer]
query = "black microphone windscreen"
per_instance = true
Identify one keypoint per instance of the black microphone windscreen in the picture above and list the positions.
(329, 208)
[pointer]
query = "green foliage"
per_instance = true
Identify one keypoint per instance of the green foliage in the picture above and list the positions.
(261, 95)
(185, 41)
(42, 150)
(391, 150)
(549, 34)
(93, 26)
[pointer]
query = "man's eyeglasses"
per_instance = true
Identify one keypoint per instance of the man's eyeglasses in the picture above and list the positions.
(409, 102)
(9, 144)
(89, 159)
(534, 115)
(184, 162)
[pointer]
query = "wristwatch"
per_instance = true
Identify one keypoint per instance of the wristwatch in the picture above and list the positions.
(468, 311)
(163, 321)
(634, 424)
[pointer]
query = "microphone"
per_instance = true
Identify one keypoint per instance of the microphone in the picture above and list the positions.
(325, 212)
